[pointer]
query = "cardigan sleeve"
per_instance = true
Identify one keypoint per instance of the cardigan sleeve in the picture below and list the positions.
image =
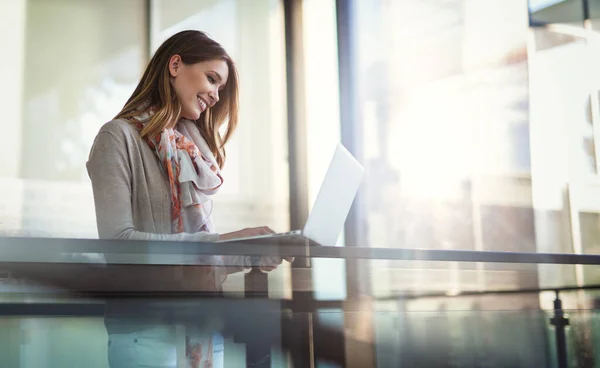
(110, 173)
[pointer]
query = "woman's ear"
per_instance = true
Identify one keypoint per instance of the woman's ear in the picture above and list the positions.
(174, 64)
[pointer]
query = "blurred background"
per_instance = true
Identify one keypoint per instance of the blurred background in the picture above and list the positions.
(477, 122)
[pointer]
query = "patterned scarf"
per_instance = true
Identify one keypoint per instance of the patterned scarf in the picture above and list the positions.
(192, 171)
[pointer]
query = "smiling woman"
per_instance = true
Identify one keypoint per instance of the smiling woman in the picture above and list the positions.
(154, 170)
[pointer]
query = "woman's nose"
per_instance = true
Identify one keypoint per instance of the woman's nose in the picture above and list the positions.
(214, 96)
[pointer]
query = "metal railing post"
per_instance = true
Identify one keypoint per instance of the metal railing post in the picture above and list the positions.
(559, 321)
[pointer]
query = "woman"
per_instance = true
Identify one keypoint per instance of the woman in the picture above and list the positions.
(154, 169)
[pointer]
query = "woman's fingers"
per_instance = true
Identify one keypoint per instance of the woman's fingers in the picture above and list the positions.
(266, 230)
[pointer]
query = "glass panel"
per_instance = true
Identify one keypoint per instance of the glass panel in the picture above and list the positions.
(417, 313)
(473, 337)
(76, 63)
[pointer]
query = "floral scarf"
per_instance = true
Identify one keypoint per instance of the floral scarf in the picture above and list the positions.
(193, 174)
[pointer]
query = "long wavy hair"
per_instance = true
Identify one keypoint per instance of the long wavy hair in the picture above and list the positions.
(154, 91)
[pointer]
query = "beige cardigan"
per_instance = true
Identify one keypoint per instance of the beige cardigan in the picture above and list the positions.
(132, 200)
(131, 193)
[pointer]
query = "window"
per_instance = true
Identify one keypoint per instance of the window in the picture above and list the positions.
(81, 60)
(444, 94)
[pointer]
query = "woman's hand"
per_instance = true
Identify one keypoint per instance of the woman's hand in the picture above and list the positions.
(266, 263)
(247, 232)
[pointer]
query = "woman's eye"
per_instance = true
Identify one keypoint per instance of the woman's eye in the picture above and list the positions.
(211, 80)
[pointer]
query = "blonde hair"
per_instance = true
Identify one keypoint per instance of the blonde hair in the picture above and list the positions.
(154, 91)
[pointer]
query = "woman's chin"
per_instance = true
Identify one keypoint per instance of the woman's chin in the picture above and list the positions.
(193, 115)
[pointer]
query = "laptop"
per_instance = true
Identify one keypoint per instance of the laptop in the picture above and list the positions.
(328, 215)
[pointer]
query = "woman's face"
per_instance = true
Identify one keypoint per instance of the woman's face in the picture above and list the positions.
(197, 86)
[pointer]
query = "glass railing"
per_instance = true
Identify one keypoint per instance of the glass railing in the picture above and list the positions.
(92, 303)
